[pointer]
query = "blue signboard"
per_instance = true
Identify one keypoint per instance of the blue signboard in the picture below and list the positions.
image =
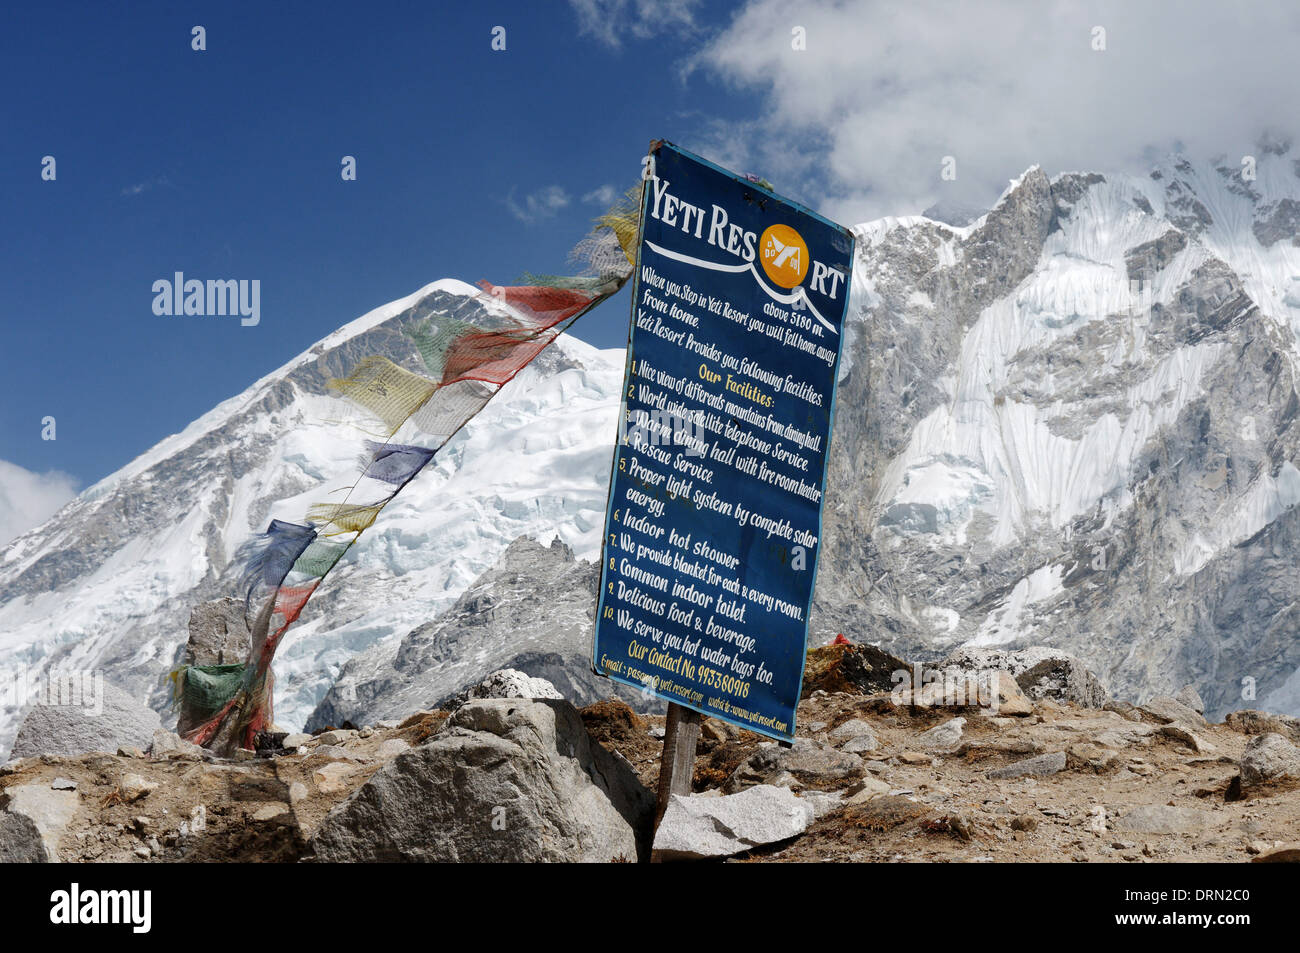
(714, 520)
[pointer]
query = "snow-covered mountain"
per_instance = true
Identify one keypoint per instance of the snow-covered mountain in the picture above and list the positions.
(108, 583)
(1071, 422)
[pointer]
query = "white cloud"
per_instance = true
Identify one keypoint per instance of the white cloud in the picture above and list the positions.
(612, 21)
(860, 121)
(543, 203)
(141, 187)
(28, 499)
(604, 195)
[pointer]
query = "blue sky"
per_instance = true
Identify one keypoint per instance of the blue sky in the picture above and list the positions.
(225, 163)
(473, 163)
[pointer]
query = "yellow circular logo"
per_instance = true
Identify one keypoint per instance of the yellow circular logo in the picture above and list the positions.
(784, 255)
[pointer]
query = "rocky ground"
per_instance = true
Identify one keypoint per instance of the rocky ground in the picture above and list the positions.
(1046, 768)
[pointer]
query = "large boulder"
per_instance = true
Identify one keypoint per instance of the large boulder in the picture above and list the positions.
(105, 719)
(20, 840)
(1269, 757)
(1040, 672)
(846, 667)
(38, 807)
(218, 633)
(1251, 722)
(503, 780)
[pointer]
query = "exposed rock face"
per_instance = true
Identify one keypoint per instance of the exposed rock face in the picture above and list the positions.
(850, 668)
(20, 840)
(1073, 424)
(1039, 672)
(75, 728)
(532, 612)
(218, 633)
(505, 780)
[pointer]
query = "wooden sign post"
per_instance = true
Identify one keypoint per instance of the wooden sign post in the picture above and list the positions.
(681, 734)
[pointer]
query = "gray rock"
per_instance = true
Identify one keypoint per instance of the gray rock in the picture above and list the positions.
(295, 740)
(49, 811)
(134, 787)
(855, 732)
(169, 743)
(63, 784)
(944, 737)
(1040, 672)
(1163, 819)
(807, 761)
(218, 633)
(504, 780)
(1188, 696)
(1251, 722)
(860, 744)
(700, 828)
(335, 737)
(21, 841)
(1269, 757)
(120, 721)
(1039, 766)
(1184, 734)
(1166, 709)
(503, 683)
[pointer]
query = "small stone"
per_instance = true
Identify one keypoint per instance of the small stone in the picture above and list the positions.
(1025, 822)
(129, 752)
(296, 740)
(944, 737)
(297, 792)
(142, 824)
(860, 744)
(270, 811)
(865, 789)
(853, 729)
(1040, 766)
(134, 787)
(656, 731)
(1163, 819)
(336, 737)
(63, 784)
(914, 757)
